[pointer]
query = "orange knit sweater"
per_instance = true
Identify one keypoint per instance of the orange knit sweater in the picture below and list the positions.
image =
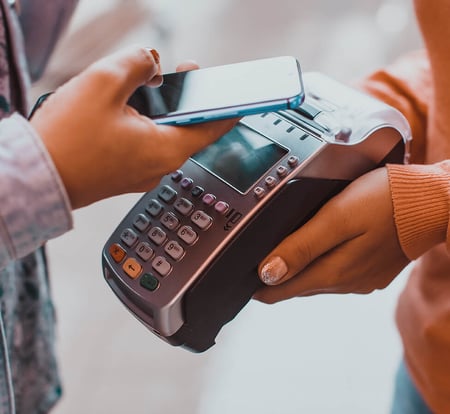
(421, 198)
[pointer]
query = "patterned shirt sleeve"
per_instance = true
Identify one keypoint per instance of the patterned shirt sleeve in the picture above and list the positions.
(34, 206)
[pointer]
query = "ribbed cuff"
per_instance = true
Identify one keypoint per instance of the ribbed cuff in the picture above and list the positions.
(420, 195)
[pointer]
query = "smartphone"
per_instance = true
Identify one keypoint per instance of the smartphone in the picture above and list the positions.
(234, 90)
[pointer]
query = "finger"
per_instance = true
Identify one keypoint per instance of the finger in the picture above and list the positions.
(326, 230)
(187, 65)
(332, 273)
(318, 278)
(344, 269)
(128, 69)
(156, 80)
(188, 140)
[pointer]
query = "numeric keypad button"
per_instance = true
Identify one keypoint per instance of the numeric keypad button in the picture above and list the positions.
(188, 235)
(129, 237)
(174, 250)
(161, 265)
(170, 221)
(154, 208)
(184, 206)
(141, 222)
(167, 194)
(201, 220)
(144, 251)
(157, 236)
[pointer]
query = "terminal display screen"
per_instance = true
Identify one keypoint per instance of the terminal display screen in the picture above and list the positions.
(240, 157)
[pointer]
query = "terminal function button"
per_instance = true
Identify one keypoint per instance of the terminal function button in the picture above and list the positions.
(176, 176)
(154, 208)
(141, 222)
(170, 221)
(209, 199)
(187, 183)
(221, 207)
(149, 282)
(161, 265)
(292, 161)
(144, 251)
(201, 219)
(117, 252)
(308, 111)
(184, 206)
(167, 194)
(282, 171)
(157, 236)
(197, 191)
(174, 250)
(270, 181)
(129, 237)
(188, 235)
(259, 192)
(132, 268)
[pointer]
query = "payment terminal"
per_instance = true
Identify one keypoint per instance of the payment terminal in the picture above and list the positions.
(184, 260)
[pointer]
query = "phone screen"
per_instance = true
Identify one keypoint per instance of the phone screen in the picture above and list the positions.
(222, 91)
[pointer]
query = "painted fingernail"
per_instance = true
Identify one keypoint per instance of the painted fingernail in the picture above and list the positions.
(155, 55)
(273, 271)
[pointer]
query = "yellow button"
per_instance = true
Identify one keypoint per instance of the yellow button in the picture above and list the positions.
(132, 268)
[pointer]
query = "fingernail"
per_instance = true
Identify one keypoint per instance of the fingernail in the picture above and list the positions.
(155, 55)
(273, 271)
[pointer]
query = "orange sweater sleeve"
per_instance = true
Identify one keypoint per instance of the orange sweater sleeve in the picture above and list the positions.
(405, 85)
(421, 200)
(420, 193)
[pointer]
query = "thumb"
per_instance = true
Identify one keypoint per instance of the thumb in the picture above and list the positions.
(128, 69)
(189, 139)
(321, 233)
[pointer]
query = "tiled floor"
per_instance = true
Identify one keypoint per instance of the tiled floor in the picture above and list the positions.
(319, 355)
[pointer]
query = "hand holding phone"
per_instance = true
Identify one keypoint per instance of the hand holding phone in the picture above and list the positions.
(234, 90)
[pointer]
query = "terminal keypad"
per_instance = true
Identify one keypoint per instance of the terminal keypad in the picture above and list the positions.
(162, 234)
(175, 217)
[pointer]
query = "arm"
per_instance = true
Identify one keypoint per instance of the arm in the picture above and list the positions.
(351, 245)
(85, 144)
(102, 147)
(363, 237)
(33, 202)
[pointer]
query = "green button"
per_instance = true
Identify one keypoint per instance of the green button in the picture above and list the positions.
(149, 281)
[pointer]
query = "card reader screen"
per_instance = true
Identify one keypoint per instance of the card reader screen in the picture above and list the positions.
(240, 157)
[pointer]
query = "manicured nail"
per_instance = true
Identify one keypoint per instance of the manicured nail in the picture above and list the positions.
(274, 270)
(155, 55)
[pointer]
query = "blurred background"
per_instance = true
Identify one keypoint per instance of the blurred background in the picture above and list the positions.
(316, 355)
